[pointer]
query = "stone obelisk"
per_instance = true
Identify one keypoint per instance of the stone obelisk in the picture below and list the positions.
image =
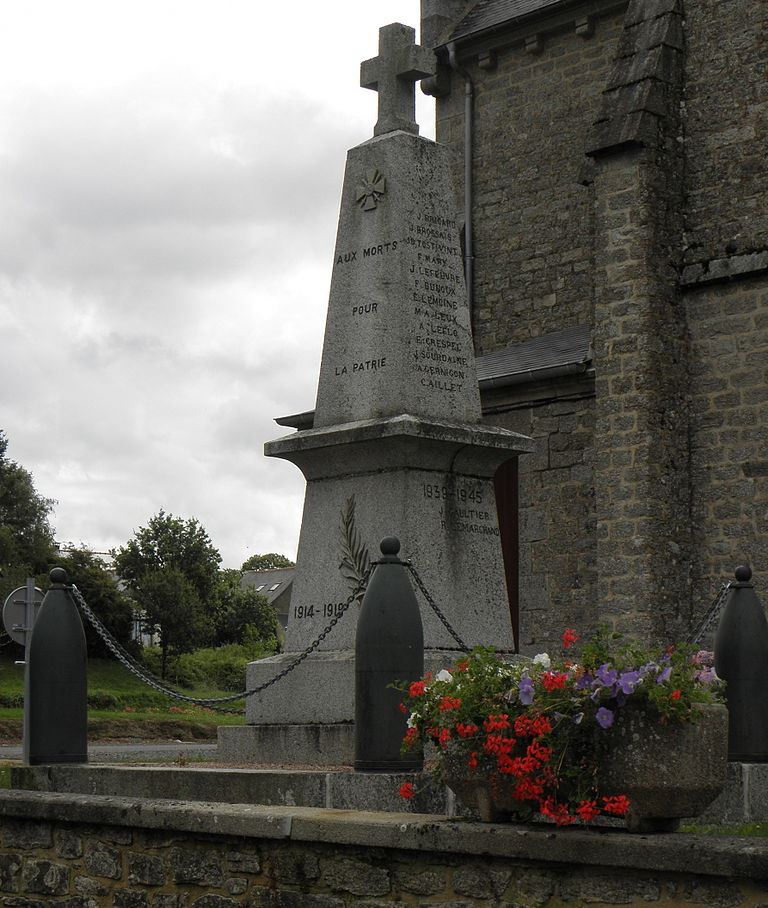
(396, 431)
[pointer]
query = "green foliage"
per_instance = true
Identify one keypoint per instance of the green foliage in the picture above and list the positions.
(222, 667)
(100, 590)
(27, 545)
(111, 687)
(241, 612)
(267, 562)
(171, 568)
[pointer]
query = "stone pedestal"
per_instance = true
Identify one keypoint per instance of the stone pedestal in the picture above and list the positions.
(432, 485)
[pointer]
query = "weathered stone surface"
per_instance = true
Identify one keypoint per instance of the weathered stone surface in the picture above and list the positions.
(294, 866)
(243, 861)
(617, 889)
(275, 898)
(236, 885)
(356, 877)
(103, 860)
(161, 900)
(130, 898)
(89, 886)
(422, 882)
(480, 882)
(45, 877)
(214, 901)
(10, 867)
(27, 835)
(199, 866)
(148, 870)
(397, 293)
(68, 844)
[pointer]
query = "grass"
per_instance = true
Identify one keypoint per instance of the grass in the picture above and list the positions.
(730, 829)
(119, 703)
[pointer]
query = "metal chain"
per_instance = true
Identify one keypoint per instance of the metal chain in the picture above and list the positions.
(148, 678)
(713, 614)
(463, 648)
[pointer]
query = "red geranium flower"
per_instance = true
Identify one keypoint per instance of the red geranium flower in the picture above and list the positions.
(587, 810)
(569, 637)
(407, 790)
(554, 680)
(417, 689)
(497, 722)
(676, 694)
(447, 703)
(618, 805)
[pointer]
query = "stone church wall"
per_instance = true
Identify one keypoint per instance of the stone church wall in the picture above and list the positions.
(533, 243)
(556, 521)
(726, 125)
(728, 326)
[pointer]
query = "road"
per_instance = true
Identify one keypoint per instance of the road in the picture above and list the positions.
(168, 752)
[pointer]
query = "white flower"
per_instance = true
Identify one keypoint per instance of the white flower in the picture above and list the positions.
(543, 660)
(412, 720)
(443, 675)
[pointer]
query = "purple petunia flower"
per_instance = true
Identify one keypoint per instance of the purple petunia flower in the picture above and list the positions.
(628, 681)
(585, 681)
(606, 675)
(525, 687)
(663, 675)
(604, 717)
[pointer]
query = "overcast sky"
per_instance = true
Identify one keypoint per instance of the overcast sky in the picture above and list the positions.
(170, 173)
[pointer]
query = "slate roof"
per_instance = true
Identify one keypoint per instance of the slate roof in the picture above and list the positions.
(488, 14)
(562, 352)
(263, 581)
(535, 358)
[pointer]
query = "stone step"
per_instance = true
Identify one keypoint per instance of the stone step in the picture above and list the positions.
(341, 788)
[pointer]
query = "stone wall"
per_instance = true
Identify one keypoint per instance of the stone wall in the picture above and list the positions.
(660, 243)
(556, 520)
(728, 325)
(89, 851)
(533, 232)
(726, 102)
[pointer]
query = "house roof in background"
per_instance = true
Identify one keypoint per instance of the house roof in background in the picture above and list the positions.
(269, 583)
(489, 14)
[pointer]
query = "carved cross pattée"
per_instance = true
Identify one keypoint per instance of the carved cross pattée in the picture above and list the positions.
(393, 74)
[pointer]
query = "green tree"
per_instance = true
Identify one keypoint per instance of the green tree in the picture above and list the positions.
(26, 538)
(171, 568)
(242, 613)
(267, 562)
(100, 590)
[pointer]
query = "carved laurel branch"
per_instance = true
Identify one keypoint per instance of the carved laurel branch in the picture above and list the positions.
(355, 559)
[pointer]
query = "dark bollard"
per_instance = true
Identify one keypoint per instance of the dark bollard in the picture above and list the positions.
(55, 685)
(741, 660)
(389, 647)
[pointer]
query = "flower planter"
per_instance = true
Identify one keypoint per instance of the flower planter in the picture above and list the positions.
(491, 799)
(669, 771)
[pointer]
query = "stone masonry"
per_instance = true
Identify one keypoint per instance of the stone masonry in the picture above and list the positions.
(619, 182)
(85, 851)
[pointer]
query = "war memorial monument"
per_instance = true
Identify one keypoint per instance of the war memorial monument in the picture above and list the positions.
(397, 446)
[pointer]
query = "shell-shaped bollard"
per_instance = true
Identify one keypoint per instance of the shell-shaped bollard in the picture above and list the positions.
(389, 647)
(55, 685)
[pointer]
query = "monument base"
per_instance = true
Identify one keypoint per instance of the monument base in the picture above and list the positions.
(310, 745)
(321, 690)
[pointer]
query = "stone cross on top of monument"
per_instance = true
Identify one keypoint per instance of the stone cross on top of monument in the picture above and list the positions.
(401, 63)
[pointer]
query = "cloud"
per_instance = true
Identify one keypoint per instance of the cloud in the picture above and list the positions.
(170, 179)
